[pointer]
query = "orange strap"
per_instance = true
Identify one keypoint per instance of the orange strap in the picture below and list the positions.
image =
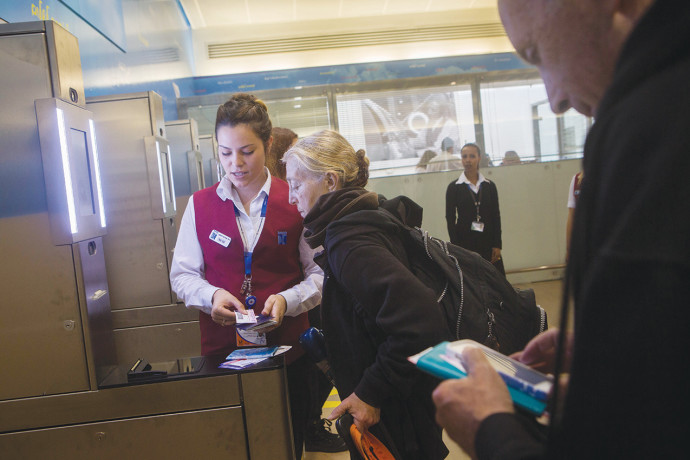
(369, 446)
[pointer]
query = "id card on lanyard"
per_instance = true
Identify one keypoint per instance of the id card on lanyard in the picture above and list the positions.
(477, 225)
(249, 338)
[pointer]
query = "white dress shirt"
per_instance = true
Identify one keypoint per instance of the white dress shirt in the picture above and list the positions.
(187, 272)
(474, 187)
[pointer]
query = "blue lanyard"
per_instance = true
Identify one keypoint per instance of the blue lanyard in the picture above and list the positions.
(248, 254)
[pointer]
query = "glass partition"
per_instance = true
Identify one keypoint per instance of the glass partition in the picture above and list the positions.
(518, 119)
(397, 122)
(395, 127)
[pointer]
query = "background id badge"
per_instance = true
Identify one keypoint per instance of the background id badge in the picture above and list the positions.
(249, 338)
(477, 226)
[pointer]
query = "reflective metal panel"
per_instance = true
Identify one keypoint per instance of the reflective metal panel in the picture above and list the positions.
(209, 151)
(43, 326)
(187, 163)
(98, 330)
(138, 200)
(71, 171)
(41, 337)
(158, 342)
(209, 434)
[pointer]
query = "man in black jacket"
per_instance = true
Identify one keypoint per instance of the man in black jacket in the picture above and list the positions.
(626, 62)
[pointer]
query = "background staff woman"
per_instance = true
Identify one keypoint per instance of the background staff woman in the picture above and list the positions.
(472, 213)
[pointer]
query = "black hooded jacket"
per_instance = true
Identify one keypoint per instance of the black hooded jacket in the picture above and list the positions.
(630, 264)
(376, 313)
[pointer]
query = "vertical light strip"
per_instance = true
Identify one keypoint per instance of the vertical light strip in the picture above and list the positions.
(160, 177)
(67, 171)
(97, 167)
(172, 181)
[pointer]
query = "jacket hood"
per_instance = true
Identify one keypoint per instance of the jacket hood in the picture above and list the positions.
(354, 211)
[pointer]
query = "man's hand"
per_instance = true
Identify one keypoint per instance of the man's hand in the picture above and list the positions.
(540, 352)
(363, 414)
(462, 404)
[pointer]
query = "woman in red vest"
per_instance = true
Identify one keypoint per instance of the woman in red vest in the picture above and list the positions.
(240, 247)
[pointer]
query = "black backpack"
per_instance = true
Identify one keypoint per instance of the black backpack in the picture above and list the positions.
(478, 302)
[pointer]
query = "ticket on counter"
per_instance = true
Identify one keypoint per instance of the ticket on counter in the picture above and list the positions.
(240, 363)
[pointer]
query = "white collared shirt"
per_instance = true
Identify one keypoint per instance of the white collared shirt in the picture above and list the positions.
(187, 272)
(475, 188)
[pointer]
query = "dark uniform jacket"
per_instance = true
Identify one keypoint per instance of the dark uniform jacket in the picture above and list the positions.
(376, 314)
(461, 211)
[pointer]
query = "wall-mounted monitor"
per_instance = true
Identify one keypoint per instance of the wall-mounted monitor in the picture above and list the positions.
(71, 171)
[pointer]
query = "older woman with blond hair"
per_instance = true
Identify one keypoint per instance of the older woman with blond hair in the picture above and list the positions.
(376, 313)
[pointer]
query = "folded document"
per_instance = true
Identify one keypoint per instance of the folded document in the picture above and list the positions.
(528, 388)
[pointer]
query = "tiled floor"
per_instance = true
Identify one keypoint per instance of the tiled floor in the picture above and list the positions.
(548, 294)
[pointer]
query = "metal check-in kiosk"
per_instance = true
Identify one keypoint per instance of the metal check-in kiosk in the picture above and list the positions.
(139, 188)
(51, 219)
(187, 162)
(63, 392)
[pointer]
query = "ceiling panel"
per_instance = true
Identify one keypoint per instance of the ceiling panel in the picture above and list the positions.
(220, 13)
(271, 11)
(311, 10)
(158, 27)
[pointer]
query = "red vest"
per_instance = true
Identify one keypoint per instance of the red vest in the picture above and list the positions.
(275, 267)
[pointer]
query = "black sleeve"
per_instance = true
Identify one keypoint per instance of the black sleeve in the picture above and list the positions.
(451, 216)
(495, 219)
(506, 437)
(404, 309)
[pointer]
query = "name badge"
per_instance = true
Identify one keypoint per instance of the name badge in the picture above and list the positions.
(219, 238)
(477, 226)
(282, 237)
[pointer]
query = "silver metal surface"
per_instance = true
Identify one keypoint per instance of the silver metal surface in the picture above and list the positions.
(183, 136)
(151, 316)
(65, 64)
(121, 402)
(137, 249)
(44, 317)
(209, 151)
(268, 414)
(39, 355)
(95, 304)
(160, 178)
(142, 230)
(208, 434)
(208, 417)
(159, 342)
(78, 145)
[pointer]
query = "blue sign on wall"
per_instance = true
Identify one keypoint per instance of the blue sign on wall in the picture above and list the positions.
(170, 90)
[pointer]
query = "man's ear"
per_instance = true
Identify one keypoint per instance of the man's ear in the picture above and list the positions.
(630, 11)
(332, 181)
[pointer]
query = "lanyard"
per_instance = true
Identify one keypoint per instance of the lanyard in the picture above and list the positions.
(246, 289)
(248, 250)
(477, 198)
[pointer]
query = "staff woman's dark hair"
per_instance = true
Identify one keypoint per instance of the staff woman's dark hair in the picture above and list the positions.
(247, 109)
